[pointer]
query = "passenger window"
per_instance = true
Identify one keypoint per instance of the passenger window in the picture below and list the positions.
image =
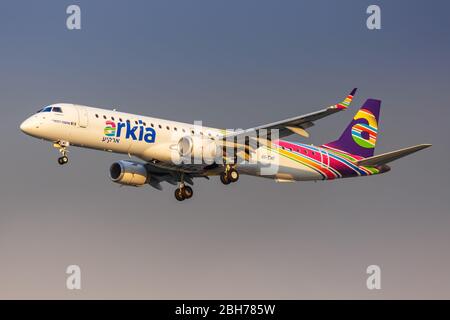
(120, 119)
(167, 127)
(112, 118)
(184, 130)
(96, 115)
(104, 117)
(175, 128)
(160, 126)
(151, 125)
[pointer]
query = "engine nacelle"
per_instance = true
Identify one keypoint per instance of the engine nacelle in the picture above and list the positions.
(129, 173)
(200, 149)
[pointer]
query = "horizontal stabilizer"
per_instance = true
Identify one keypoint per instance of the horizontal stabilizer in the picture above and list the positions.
(390, 156)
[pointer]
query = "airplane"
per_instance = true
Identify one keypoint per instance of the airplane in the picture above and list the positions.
(176, 152)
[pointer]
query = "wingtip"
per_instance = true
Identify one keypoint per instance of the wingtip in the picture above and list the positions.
(422, 146)
(346, 103)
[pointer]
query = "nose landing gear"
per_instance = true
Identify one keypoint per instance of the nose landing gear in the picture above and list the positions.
(62, 148)
(63, 160)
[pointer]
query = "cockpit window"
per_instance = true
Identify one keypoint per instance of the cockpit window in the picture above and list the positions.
(40, 110)
(50, 109)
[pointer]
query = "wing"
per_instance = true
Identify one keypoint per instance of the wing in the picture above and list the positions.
(297, 125)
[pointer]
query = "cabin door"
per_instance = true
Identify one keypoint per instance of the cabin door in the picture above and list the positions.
(324, 158)
(82, 117)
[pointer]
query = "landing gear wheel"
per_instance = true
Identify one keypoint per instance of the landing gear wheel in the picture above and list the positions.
(233, 175)
(63, 160)
(187, 192)
(62, 148)
(224, 178)
(179, 194)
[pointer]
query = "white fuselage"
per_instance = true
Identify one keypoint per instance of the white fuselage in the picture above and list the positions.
(146, 138)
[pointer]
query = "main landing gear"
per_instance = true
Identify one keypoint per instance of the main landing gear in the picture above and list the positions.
(62, 148)
(183, 192)
(229, 175)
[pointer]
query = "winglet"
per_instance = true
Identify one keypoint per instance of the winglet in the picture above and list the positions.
(344, 104)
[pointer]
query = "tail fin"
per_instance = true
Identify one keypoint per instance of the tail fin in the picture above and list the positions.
(360, 137)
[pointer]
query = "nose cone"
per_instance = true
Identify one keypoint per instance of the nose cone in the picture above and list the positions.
(27, 126)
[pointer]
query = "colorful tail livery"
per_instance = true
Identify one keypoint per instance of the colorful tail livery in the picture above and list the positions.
(360, 137)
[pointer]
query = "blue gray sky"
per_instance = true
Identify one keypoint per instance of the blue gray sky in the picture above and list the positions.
(231, 64)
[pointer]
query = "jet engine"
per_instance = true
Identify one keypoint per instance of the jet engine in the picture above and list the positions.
(200, 149)
(129, 173)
